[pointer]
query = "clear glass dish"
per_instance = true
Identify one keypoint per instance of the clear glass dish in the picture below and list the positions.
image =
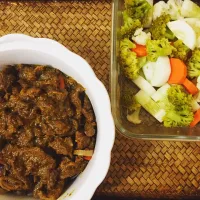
(153, 131)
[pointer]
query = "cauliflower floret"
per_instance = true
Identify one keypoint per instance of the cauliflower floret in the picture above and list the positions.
(160, 8)
(175, 9)
(140, 37)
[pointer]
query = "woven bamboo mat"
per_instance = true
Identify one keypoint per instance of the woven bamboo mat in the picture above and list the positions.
(138, 168)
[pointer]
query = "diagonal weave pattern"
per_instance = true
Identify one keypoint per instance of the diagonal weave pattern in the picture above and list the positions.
(138, 168)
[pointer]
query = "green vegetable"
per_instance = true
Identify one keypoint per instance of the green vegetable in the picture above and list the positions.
(190, 9)
(128, 59)
(134, 117)
(156, 48)
(137, 9)
(149, 105)
(130, 25)
(178, 108)
(159, 28)
(180, 50)
(194, 64)
(128, 96)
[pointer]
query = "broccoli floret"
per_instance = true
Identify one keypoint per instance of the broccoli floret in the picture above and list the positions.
(180, 50)
(128, 59)
(159, 28)
(130, 25)
(156, 48)
(179, 108)
(194, 64)
(135, 116)
(137, 9)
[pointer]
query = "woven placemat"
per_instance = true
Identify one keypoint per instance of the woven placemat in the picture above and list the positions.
(138, 168)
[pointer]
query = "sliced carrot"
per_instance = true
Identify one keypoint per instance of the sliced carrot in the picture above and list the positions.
(87, 157)
(196, 119)
(140, 50)
(178, 71)
(190, 87)
(61, 82)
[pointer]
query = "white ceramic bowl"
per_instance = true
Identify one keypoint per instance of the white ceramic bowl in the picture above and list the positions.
(18, 48)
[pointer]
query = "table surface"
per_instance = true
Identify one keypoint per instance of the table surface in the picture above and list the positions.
(138, 168)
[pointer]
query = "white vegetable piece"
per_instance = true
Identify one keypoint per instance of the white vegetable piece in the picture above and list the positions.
(198, 79)
(160, 93)
(184, 32)
(198, 86)
(150, 105)
(160, 8)
(195, 24)
(150, 2)
(190, 9)
(195, 105)
(197, 97)
(148, 70)
(140, 37)
(175, 9)
(161, 72)
(144, 85)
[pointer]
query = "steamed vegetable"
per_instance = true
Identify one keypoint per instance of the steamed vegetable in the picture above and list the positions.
(161, 93)
(130, 25)
(190, 9)
(175, 9)
(137, 9)
(128, 59)
(140, 50)
(159, 28)
(141, 37)
(83, 152)
(179, 109)
(144, 85)
(134, 117)
(160, 8)
(196, 119)
(195, 105)
(190, 87)
(194, 64)
(157, 48)
(148, 70)
(161, 71)
(178, 71)
(184, 32)
(149, 105)
(180, 50)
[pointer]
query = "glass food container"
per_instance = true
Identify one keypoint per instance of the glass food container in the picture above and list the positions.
(150, 128)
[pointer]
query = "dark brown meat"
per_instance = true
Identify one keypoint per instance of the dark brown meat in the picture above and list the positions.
(44, 117)
(58, 95)
(75, 99)
(25, 137)
(7, 77)
(41, 192)
(9, 183)
(9, 124)
(26, 73)
(89, 129)
(29, 93)
(55, 127)
(82, 140)
(69, 168)
(63, 146)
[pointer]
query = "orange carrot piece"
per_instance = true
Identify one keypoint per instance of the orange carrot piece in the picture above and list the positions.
(196, 118)
(62, 82)
(140, 50)
(190, 87)
(178, 71)
(87, 157)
